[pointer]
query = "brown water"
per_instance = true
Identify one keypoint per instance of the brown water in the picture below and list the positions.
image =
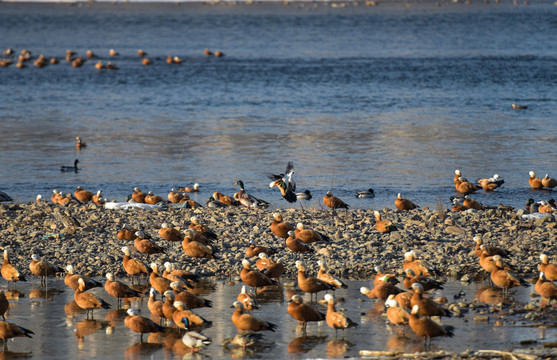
(61, 333)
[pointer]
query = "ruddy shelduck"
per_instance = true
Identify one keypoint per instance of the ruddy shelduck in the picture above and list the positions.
(380, 291)
(83, 195)
(545, 288)
(308, 235)
(503, 278)
(254, 278)
(420, 267)
(190, 300)
(126, 233)
(196, 249)
(550, 270)
(138, 196)
(71, 280)
(141, 324)
(336, 319)
(328, 278)
(404, 204)
(296, 244)
(311, 285)
(10, 330)
(492, 183)
(170, 234)
(549, 182)
(396, 314)
(201, 229)
(256, 250)
(168, 308)
(133, 267)
(490, 250)
(427, 283)
(9, 272)
(154, 305)
(246, 322)
(4, 304)
(472, 204)
(182, 314)
(152, 199)
(382, 277)
(427, 328)
(427, 307)
(334, 202)
(465, 187)
(248, 299)
(80, 144)
(43, 268)
(118, 289)
(146, 246)
(279, 227)
(304, 313)
(88, 301)
(535, 183)
(157, 281)
(383, 226)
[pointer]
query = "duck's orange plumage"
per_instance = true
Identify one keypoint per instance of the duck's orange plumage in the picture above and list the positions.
(404, 204)
(146, 246)
(425, 327)
(396, 314)
(383, 226)
(196, 249)
(472, 204)
(71, 280)
(308, 235)
(503, 278)
(465, 187)
(550, 270)
(380, 291)
(549, 182)
(133, 266)
(334, 202)
(427, 306)
(43, 268)
(248, 322)
(127, 233)
(83, 195)
(304, 313)
(311, 285)
(9, 272)
(118, 289)
(546, 288)
(10, 330)
(297, 245)
(254, 278)
(181, 313)
(328, 278)
(169, 233)
(336, 319)
(138, 196)
(141, 324)
(535, 183)
(279, 227)
(88, 301)
(158, 282)
(154, 305)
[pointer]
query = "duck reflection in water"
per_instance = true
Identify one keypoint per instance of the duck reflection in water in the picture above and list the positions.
(337, 348)
(141, 349)
(86, 327)
(489, 295)
(304, 344)
(40, 293)
(72, 309)
(6, 355)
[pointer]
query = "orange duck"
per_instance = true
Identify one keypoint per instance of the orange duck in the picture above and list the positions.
(549, 182)
(133, 266)
(118, 289)
(141, 324)
(9, 272)
(190, 300)
(194, 248)
(275, 269)
(246, 322)
(427, 328)
(157, 281)
(404, 204)
(127, 233)
(154, 305)
(255, 250)
(10, 330)
(328, 278)
(248, 299)
(546, 288)
(396, 314)
(170, 234)
(427, 283)
(472, 204)
(254, 278)
(490, 250)
(202, 229)
(80, 144)
(550, 270)
(304, 313)
(297, 245)
(152, 199)
(491, 183)
(71, 280)
(182, 313)
(83, 195)
(98, 198)
(334, 202)
(458, 207)
(308, 235)
(311, 285)
(88, 301)
(138, 196)
(464, 187)
(503, 278)
(383, 226)
(146, 246)
(279, 227)
(535, 183)
(380, 291)
(382, 277)
(43, 268)
(420, 267)
(336, 319)
(225, 199)
(427, 306)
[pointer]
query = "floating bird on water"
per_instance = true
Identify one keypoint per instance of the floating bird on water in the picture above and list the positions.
(80, 143)
(519, 107)
(73, 168)
(535, 183)
(285, 183)
(492, 183)
(549, 182)
(369, 193)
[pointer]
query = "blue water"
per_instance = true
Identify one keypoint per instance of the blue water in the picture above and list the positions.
(386, 96)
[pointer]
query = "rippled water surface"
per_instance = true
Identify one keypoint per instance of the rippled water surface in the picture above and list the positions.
(389, 97)
(63, 333)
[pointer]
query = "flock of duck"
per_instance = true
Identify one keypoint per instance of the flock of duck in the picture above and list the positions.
(411, 306)
(77, 61)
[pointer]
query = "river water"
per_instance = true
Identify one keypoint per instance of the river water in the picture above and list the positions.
(61, 333)
(389, 97)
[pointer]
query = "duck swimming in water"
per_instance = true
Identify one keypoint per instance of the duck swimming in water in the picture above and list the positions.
(73, 168)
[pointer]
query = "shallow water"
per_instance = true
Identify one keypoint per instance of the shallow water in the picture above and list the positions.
(387, 97)
(57, 328)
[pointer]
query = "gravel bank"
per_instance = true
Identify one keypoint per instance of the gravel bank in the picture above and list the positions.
(356, 247)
